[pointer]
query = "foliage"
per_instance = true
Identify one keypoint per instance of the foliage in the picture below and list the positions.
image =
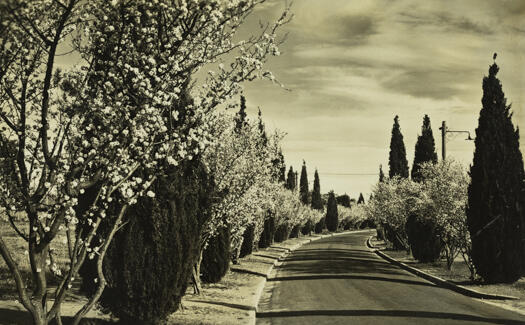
(332, 215)
(352, 218)
(216, 257)
(397, 158)
(268, 233)
(423, 238)
(394, 200)
(317, 202)
(240, 118)
(496, 200)
(248, 239)
(303, 185)
(320, 225)
(343, 200)
(290, 180)
(381, 174)
(148, 266)
(425, 149)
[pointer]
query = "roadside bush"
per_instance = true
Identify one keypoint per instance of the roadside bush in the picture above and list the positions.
(331, 213)
(424, 238)
(307, 228)
(281, 233)
(216, 257)
(149, 263)
(320, 226)
(247, 242)
(268, 233)
(294, 233)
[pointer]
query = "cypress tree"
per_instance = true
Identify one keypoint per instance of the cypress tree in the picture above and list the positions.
(290, 181)
(381, 174)
(317, 202)
(216, 257)
(247, 241)
(397, 159)
(425, 149)
(320, 225)
(240, 117)
(268, 233)
(262, 129)
(496, 194)
(303, 194)
(361, 199)
(331, 213)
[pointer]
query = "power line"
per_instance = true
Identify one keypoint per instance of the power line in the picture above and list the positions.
(351, 174)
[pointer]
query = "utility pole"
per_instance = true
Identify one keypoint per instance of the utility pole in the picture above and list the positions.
(443, 129)
(444, 132)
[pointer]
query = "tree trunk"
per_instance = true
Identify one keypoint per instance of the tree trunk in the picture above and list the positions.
(196, 274)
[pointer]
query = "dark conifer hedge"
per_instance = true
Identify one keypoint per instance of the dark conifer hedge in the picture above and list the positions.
(149, 263)
(247, 241)
(216, 257)
(281, 233)
(320, 226)
(423, 238)
(307, 228)
(268, 233)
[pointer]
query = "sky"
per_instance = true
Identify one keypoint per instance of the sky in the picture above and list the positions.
(351, 66)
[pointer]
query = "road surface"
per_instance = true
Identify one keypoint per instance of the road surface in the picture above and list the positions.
(338, 280)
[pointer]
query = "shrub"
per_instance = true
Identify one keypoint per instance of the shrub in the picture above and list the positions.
(281, 233)
(307, 228)
(320, 226)
(423, 238)
(149, 263)
(247, 242)
(268, 233)
(294, 233)
(216, 257)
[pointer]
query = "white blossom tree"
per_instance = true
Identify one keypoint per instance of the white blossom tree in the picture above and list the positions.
(111, 115)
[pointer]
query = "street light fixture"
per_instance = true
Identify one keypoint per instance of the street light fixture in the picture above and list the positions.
(444, 132)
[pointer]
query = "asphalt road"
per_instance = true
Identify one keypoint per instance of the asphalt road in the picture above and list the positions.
(338, 280)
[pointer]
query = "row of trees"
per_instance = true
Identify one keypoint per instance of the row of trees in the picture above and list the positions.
(122, 156)
(442, 210)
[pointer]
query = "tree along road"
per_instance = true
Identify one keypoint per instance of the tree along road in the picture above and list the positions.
(338, 280)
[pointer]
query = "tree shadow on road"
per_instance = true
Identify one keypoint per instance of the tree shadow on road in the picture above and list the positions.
(389, 313)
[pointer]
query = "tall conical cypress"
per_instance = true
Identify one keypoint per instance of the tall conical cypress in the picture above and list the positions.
(381, 174)
(397, 159)
(304, 185)
(262, 129)
(240, 117)
(290, 181)
(317, 202)
(496, 195)
(425, 150)
(332, 215)
(361, 199)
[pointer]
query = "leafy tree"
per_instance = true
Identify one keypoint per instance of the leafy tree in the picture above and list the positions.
(332, 216)
(240, 117)
(425, 149)
(282, 167)
(397, 159)
(317, 202)
(496, 200)
(361, 199)
(381, 174)
(290, 181)
(303, 189)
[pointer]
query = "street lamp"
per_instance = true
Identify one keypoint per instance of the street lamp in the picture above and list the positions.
(444, 132)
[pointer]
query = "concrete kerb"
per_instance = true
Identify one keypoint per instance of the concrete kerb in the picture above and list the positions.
(437, 280)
